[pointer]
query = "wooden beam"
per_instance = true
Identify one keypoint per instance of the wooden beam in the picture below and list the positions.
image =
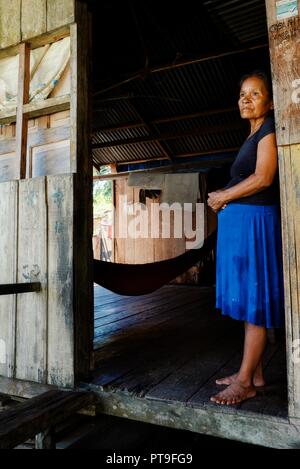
(23, 98)
(182, 63)
(165, 120)
(39, 414)
(151, 130)
(15, 288)
(178, 155)
(222, 422)
(161, 169)
(38, 109)
(81, 164)
(22, 388)
(170, 136)
(38, 41)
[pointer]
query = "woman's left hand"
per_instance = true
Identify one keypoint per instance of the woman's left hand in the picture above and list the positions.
(216, 200)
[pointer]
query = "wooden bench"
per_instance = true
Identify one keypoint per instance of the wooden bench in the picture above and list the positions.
(38, 416)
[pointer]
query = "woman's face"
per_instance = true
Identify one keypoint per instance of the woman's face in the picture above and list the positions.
(254, 101)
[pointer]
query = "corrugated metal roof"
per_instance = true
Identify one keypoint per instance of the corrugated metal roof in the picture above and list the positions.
(128, 116)
(244, 20)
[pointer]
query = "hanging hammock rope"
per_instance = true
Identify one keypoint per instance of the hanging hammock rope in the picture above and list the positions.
(140, 279)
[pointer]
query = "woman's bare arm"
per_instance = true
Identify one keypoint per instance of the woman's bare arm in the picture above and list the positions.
(266, 167)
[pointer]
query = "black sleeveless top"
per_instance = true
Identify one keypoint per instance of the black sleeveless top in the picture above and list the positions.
(245, 163)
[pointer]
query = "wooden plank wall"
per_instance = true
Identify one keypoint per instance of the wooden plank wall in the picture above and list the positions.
(36, 234)
(46, 222)
(24, 19)
(48, 142)
(284, 37)
(8, 274)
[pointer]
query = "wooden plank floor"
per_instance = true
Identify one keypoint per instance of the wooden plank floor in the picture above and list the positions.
(169, 346)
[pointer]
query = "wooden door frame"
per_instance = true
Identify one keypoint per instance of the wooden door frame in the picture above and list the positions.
(283, 36)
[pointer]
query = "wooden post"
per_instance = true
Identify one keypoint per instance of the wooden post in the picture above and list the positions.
(284, 37)
(81, 164)
(23, 98)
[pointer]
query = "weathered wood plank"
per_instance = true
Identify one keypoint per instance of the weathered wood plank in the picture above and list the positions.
(189, 366)
(33, 18)
(81, 162)
(60, 13)
(8, 273)
(122, 330)
(22, 388)
(294, 273)
(15, 288)
(271, 432)
(23, 98)
(38, 41)
(31, 348)
(60, 278)
(284, 37)
(117, 344)
(38, 108)
(255, 405)
(114, 312)
(38, 414)
(288, 250)
(10, 19)
(40, 137)
(213, 350)
(157, 340)
(289, 165)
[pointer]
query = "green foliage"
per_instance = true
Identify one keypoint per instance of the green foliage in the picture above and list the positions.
(102, 192)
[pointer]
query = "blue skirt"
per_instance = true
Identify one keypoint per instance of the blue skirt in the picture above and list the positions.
(249, 272)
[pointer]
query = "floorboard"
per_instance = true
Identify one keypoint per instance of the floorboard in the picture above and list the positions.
(171, 345)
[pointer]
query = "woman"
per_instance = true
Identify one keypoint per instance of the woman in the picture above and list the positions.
(249, 284)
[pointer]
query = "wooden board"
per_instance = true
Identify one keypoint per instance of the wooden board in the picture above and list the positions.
(60, 278)
(290, 207)
(59, 13)
(39, 414)
(8, 274)
(10, 19)
(50, 159)
(81, 163)
(22, 388)
(8, 167)
(33, 18)
(31, 336)
(263, 431)
(284, 36)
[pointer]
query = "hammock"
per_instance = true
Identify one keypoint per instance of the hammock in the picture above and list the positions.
(140, 279)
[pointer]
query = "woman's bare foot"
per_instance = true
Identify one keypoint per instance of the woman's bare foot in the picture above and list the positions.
(258, 381)
(234, 394)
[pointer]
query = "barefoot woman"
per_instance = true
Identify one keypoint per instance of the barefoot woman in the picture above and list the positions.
(249, 284)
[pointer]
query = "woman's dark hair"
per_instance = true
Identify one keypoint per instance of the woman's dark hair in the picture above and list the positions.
(263, 76)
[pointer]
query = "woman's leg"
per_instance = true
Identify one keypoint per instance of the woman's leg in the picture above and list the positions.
(243, 388)
(258, 377)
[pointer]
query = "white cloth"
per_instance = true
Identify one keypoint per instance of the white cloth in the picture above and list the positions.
(47, 64)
